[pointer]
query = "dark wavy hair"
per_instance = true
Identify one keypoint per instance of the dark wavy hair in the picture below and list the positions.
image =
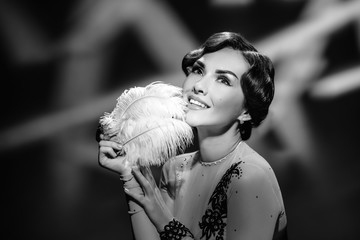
(257, 82)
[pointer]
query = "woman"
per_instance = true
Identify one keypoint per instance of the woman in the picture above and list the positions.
(225, 190)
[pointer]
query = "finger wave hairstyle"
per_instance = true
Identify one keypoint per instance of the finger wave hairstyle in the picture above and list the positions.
(257, 82)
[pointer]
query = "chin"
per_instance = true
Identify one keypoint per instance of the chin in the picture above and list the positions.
(192, 119)
(196, 120)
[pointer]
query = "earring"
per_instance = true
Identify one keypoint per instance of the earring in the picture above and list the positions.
(241, 127)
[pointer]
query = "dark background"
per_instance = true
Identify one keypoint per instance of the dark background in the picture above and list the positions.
(63, 63)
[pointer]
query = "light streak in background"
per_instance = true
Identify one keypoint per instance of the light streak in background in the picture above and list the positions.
(50, 125)
(176, 41)
(66, 184)
(332, 87)
(321, 24)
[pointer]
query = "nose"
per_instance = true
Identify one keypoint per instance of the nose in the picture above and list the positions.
(201, 86)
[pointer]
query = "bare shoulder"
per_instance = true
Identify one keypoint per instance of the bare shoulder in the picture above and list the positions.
(256, 177)
(253, 199)
(250, 175)
(252, 157)
(255, 166)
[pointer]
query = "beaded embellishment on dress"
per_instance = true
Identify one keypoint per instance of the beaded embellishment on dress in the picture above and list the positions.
(213, 222)
(175, 230)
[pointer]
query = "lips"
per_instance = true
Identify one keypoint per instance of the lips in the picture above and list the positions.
(197, 102)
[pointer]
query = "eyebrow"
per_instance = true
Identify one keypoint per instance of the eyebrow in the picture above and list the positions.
(219, 71)
(200, 63)
(226, 72)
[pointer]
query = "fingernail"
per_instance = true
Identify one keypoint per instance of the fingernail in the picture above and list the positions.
(120, 152)
(135, 168)
(119, 146)
(126, 190)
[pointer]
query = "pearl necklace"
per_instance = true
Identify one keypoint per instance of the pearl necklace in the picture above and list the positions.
(209, 164)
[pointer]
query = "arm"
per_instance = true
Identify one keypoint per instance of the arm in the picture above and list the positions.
(140, 218)
(154, 202)
(142, 227)
(109, 158)
(252, 206)
(142, 194)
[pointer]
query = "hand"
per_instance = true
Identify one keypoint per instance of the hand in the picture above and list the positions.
(150, 198)
(112, 157)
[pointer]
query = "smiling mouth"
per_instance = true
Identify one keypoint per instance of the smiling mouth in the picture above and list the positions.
(197, 103)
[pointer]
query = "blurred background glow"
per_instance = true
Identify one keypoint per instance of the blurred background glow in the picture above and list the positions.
(64, 63)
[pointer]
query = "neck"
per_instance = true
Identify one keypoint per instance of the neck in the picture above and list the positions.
(216, 145)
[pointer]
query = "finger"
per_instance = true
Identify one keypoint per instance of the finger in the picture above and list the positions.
(120, 152)
(108, 151)
(137, 197)
(148, 175)
(144, 183)
(112, 144)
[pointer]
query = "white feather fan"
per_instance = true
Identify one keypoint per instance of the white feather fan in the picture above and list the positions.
(149, 123)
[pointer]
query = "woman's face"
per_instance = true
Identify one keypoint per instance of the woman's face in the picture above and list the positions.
(213, 91)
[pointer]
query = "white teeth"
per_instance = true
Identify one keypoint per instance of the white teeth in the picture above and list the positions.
(192, 101)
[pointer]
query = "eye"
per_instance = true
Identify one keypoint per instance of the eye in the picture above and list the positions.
(224, 80)
(195, 69)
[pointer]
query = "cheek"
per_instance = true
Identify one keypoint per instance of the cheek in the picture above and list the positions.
(222, 103)
(229, 106)
(186, 84)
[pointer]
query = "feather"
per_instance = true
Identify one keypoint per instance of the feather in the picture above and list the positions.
(149, 123)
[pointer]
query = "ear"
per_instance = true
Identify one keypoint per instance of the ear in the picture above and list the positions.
(244, 116)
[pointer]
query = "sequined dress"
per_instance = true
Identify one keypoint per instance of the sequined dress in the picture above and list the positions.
(208, 199)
